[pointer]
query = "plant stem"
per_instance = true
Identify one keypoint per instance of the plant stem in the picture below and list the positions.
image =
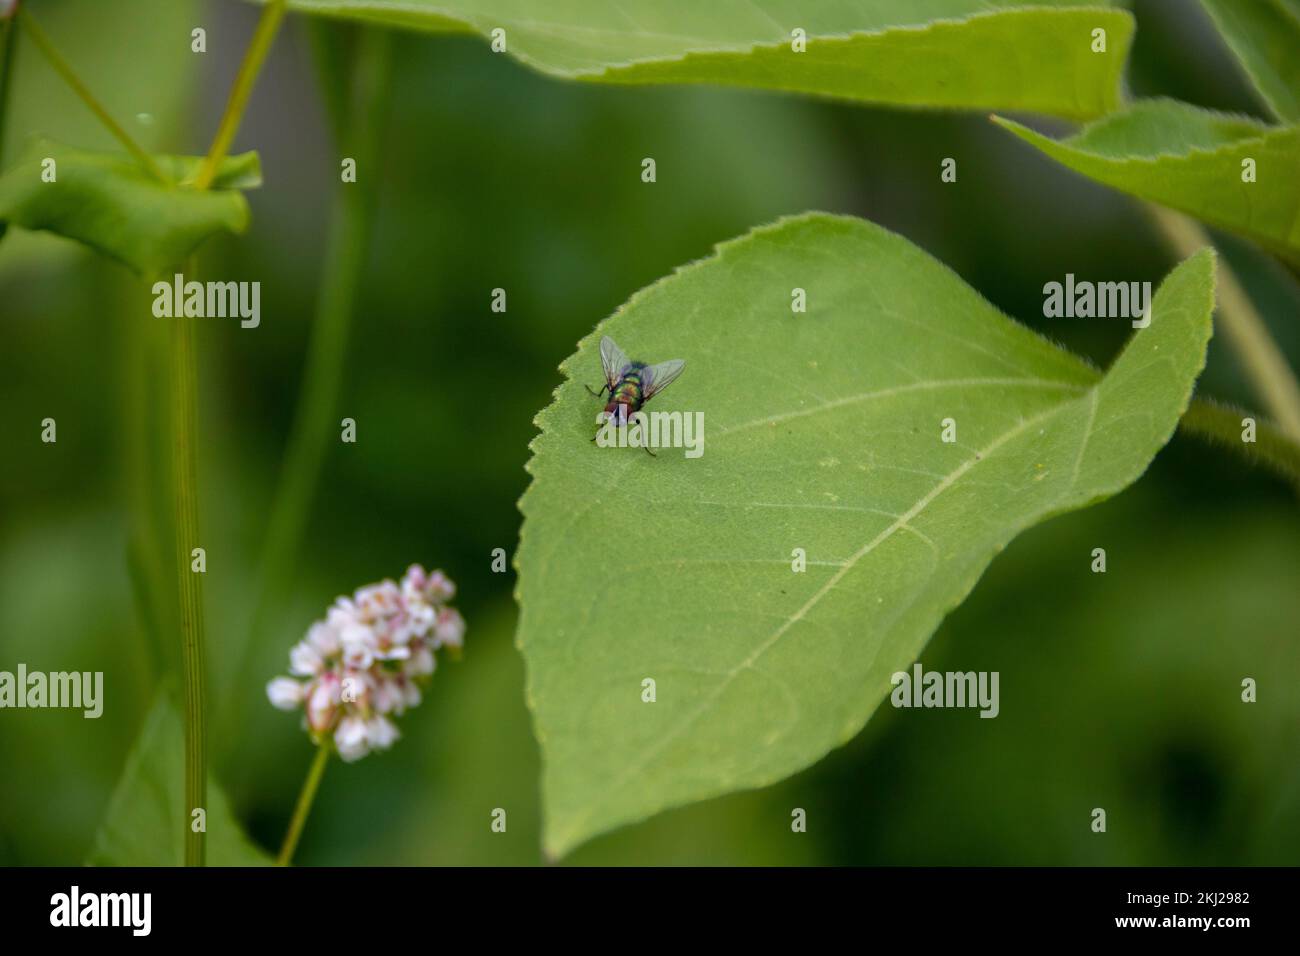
(64, 70)
(8, 44)
(305, 799)
(1261, 359)
(254, 56)
(184, 396)
(314, 422)
(185, 431)
(1221, 424)
(145, 405)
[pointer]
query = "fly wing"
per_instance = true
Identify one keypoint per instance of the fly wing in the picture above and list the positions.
(613, 361)
(655, 378)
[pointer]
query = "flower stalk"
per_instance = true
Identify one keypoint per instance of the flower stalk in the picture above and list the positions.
(363, 664)
(305, 799)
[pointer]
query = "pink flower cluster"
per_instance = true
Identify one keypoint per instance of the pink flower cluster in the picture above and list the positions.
(368, 658)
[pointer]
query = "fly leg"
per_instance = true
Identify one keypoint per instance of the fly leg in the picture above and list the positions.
(597, 394)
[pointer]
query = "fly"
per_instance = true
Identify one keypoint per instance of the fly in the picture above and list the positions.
(631, 384)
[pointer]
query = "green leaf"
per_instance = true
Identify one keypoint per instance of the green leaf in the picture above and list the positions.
(146, 816)
(1191, 159)
(963, 54)
(108, 202)
(823, 433)
(1265, 36)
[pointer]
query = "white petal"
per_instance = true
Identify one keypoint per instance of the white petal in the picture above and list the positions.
(439, 587)
(413, 580)
(304, 661)
(285, 693)
(450, 628)
(381, 732)
(321, 701)
(422, 663)
(324, 638)
(385, 697)
(350, 738)
(412, 693)
(357, 656)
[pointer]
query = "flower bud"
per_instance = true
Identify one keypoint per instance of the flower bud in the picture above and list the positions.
(285, 693)
(449, 629)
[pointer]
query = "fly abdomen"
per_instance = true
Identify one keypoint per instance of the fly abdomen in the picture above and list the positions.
(628, 392)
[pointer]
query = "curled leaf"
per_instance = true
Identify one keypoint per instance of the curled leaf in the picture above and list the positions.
(108, 202)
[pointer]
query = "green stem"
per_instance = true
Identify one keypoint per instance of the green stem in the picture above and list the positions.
(254, 56)
(8, 44)
(61, 67)
(1222, 424)
(314, 423)
(185, 431)
(305, 800)
(144, 381)
(1263, 362)
(184, 401)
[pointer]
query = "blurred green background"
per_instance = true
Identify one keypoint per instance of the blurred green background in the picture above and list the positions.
(1118, 690)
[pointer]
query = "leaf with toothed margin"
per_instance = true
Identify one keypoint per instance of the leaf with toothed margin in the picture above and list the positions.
(1265, 36)
(1192, 159)
(823, 433)
(960, 54)
(108, 202)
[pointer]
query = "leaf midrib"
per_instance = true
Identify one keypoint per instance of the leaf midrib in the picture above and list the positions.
(899, 523)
